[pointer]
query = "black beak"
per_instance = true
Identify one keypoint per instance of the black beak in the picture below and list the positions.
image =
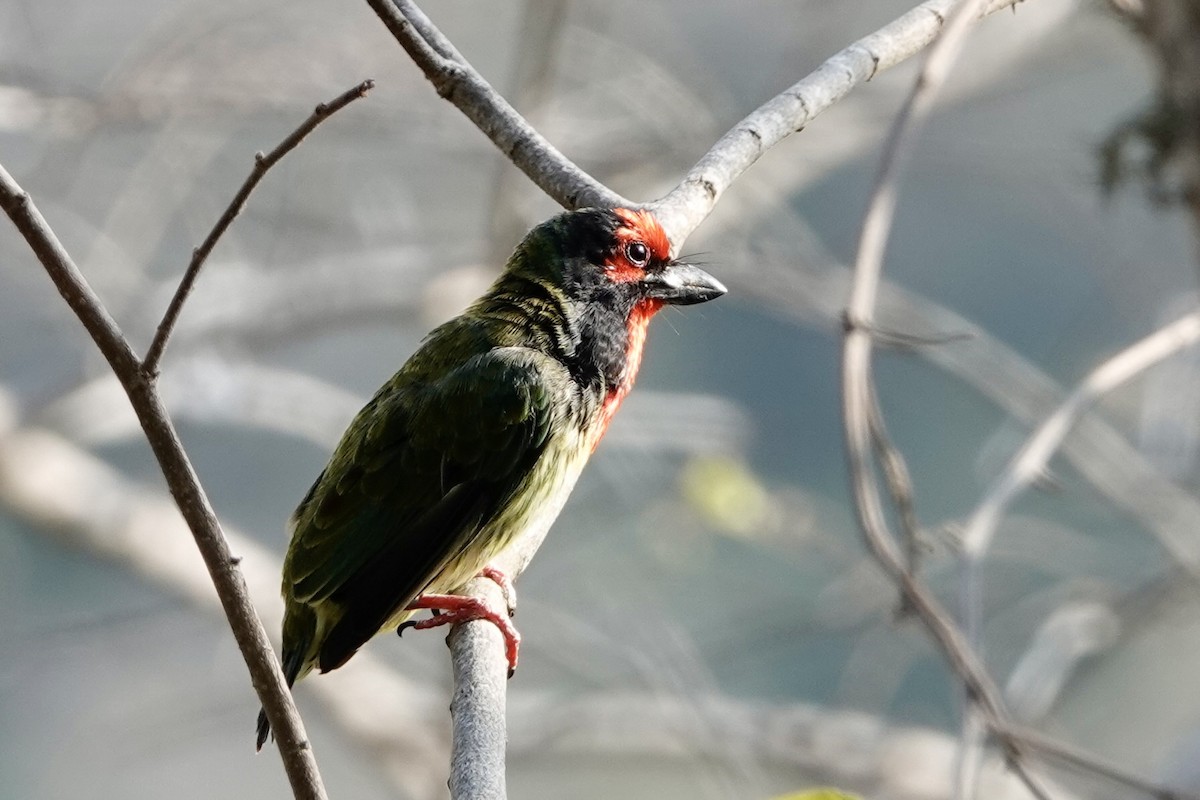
(681, 285)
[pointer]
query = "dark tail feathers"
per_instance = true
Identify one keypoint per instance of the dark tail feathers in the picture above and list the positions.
(292, 661)
(264, 729)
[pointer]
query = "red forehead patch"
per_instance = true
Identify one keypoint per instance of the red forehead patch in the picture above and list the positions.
(641, 226)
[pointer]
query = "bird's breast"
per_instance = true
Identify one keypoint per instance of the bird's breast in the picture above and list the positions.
(635, 342)
(527, 517)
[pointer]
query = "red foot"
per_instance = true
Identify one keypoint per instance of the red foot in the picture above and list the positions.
(451, 609)
(505, 584)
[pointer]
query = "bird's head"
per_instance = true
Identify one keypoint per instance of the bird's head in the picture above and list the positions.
(619, 258)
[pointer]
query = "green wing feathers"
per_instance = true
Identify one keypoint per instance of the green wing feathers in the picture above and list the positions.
(421, 471)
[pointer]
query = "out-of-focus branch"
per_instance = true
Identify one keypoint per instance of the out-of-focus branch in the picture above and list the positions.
(58, 487)
(899, 484)
(1083, 762)
(83, 502)
(866, 442)
(815, 296)
(1024, 468)
(1033, 457)
(262, 164)
(865, 429)
(855, 751)
(265, 673)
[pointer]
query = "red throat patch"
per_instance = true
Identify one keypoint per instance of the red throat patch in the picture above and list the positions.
(639, 321)
(638, 228)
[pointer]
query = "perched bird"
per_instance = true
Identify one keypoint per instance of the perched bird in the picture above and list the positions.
(478, 439)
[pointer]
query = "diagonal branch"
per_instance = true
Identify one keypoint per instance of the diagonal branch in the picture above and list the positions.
(864, 427)
(457, 81)
(265, 674)
(262, 164)
(1033, 457)
(683, 209)
(67, 278)
(1013, 735)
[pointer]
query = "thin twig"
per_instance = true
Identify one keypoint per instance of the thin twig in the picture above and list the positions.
(265, 674)
(1031, 460)
(1035, 454)
(262, 164)
(858, 396)
(1016, 736)
(899, 484)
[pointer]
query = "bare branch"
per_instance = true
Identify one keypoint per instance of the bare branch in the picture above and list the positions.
(480, 736)
(865, 428)
(1017, 736)
(859, 405)
(899, 484)
(683, 209)
(1033, 457)
(265, 674)
(864, 425)
(480, 676)
(262, 164)
(457, 81)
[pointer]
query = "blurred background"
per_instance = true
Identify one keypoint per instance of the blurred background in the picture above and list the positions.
(704, 621)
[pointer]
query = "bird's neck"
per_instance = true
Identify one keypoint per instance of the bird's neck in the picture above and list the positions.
(599, 343)
(616, 389)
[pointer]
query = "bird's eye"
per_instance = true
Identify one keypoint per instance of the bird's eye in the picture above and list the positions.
(637, 253)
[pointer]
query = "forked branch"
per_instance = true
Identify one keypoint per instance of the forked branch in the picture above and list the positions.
(138, 378)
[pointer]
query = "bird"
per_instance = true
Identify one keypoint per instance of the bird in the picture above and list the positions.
(476, 442)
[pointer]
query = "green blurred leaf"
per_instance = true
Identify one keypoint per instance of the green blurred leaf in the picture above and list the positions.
(816, 794)
(727, 493)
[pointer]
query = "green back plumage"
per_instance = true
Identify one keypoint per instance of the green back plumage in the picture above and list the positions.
(480, 436)
(411, 496)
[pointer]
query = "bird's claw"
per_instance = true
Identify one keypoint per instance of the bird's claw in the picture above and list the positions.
(505, 583)
(451, 609)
